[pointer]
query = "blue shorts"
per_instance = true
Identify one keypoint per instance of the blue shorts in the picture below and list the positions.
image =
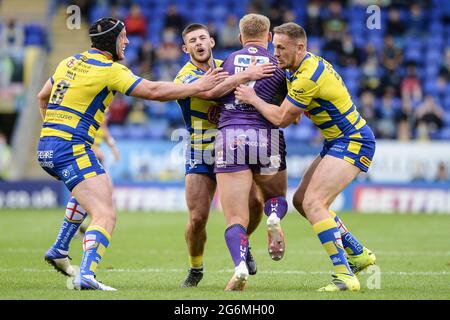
(68, 161)
(356, 151)
(195, 166)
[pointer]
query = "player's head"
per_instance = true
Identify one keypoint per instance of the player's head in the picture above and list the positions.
(198, 43)
(289, 42)
(108, 34)
(254, 27)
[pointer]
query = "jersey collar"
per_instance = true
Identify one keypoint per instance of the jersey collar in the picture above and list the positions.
(291, 75)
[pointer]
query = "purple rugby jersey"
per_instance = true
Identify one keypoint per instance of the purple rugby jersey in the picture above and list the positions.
(272, 89)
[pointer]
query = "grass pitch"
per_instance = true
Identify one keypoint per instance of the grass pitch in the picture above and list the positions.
(147, 259)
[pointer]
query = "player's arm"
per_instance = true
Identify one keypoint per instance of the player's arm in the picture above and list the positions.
(281, 116)
(43, 96)
(252, 73)
(165, 91)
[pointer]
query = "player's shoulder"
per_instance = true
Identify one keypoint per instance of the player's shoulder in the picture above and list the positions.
(187, 73)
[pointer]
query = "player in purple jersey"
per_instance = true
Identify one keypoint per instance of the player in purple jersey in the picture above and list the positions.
(249, 148)
(198, 111)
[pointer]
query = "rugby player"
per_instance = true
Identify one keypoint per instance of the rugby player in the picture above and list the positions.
(317, 90)
(250, 148)
(74, 217)
(200, 115)
(73, 102)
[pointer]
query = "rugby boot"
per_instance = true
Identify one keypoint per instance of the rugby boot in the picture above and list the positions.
(60, 262)
(239, 278)
(361, 261)
(193, 278)
(276, 244)
(88, 282)
(342, 282)
(251, 263)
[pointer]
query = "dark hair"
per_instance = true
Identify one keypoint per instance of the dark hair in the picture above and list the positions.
(192, 27)
(104, 33)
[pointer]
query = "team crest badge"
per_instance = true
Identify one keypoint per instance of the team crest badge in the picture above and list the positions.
(71, 62)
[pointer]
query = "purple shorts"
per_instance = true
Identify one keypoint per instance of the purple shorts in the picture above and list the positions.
(242, 147)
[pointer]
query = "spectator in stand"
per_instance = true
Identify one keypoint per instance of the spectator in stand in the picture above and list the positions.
(370, 78)
(395, 26)
(441, 86)
(385, 115)
(169, 50)
(229, 34)
(367, 106)
(288, 16)
(391, 78)
(442, 173)
(417, 22)
(12, 38)
(349, 53)
(313, 24)
(146, 53)
(429, 116)
(405, 122)
(445, 64)
(135, 22)
(391, 56)
(174, 19)
(118, 110)
(5, 157)
(137, 114)
(334, 26)
(411, 87)
(275, 16)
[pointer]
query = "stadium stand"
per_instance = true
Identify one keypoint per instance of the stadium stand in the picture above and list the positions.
(394, 56)
(387, 70)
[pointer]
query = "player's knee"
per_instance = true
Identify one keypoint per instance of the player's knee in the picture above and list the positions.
(311, 203)
(298, 203)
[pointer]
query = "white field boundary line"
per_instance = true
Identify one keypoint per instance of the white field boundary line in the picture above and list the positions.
(282, 272)
(261, 251)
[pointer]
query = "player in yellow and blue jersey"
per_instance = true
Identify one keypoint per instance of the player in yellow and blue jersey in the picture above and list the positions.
(317, 90)
(200, 115)
(75, 216)
(72, 103)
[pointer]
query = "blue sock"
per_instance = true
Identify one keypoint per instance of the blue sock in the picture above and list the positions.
(237, 242)
(350, 243)
(330, 238)
(73, 219)
(277, 205)
(95, 242)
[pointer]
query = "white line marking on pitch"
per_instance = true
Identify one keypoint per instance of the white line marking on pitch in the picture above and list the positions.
(299, 272)
(261, 251)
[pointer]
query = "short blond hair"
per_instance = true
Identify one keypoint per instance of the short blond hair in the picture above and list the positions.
(254, 26)
(292, 30)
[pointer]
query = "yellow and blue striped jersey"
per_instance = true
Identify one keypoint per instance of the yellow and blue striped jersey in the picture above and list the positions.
(320, 91)
(198, 114)
(83, 87)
